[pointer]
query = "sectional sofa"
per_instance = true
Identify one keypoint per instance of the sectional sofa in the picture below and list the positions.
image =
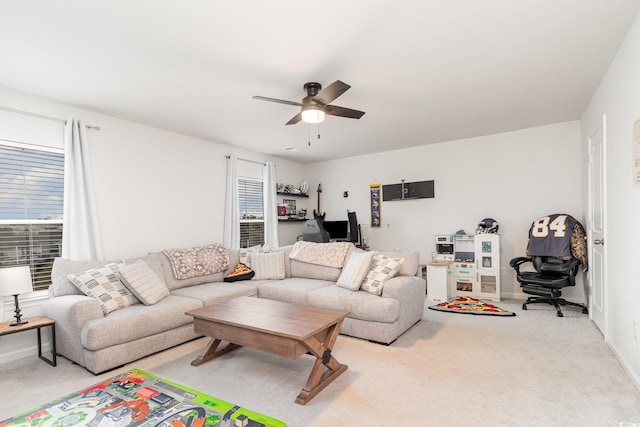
(100, 342)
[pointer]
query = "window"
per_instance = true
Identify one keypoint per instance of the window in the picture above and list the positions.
(31, 205)
(251, 212)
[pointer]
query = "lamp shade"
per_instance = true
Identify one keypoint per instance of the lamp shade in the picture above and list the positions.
(15, 280)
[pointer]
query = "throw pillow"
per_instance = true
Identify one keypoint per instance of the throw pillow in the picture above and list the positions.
(355, 270)
(267, 266)
(240, 272)
(198, 261)
(143, 282)
(104, 285)
(243, 253)
(382, 269)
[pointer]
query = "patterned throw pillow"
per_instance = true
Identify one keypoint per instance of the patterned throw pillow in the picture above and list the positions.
(199, 261)
(267, 266)
(382, 269)
(240, 272)
(143, 282)
(355, 270)
(104, 285)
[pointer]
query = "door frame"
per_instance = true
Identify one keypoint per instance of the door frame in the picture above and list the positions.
(590, 193)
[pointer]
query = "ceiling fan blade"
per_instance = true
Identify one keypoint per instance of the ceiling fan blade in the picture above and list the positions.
(280, 101)
(331, 92)
(334, 110)
(295, 119)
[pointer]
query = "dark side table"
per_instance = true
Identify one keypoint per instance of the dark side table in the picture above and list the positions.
(36, 322)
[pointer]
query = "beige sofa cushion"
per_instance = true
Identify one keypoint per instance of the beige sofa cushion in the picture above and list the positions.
(360, 304)
(137, 321)
(293, 290)
(213, 293)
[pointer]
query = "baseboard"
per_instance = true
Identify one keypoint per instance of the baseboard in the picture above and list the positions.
(24, 352)
(635, 379)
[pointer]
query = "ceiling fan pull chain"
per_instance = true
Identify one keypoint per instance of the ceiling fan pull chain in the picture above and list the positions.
(318, 130)
(309, 135)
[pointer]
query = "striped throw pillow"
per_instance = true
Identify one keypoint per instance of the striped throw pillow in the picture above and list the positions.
(267, 266)
(143, 282)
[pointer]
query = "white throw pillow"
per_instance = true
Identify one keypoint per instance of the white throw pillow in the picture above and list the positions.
(267, 266)
(104, 285)
(143, 282)
(382, 269)
(243, 253)
(355, 270)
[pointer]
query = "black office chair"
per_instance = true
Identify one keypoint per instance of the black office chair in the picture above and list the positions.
(556, 249)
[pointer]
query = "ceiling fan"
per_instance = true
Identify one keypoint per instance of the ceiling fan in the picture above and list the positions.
(316, 104)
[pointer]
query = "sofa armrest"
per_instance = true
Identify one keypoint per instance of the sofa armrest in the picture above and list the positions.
(70, 313)
(410, 292)
(402, 287)
(72, 310)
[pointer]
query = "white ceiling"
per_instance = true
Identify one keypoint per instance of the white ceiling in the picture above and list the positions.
(424, 71)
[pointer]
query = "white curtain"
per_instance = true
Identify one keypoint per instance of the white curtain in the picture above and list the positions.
(270, 205)
(231, 236)
(80, 230)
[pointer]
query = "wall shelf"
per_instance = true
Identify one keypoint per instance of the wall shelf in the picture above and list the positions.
(292, 220)
(292, 194)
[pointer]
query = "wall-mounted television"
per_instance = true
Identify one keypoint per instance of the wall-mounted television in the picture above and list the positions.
(408, 191)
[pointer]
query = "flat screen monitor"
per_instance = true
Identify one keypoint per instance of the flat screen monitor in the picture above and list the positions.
(338, 230)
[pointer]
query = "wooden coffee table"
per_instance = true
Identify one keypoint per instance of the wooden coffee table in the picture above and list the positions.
(282, 328)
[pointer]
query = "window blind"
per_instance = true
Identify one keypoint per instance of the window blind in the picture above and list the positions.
(31, 206)
(251, 206)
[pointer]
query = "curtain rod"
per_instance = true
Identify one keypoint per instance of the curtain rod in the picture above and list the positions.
(245, 160)
(41, 116)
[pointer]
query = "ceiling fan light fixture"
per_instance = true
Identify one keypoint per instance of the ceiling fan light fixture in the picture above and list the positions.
(313, 115)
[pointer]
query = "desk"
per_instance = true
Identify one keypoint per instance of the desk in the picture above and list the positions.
(36, 322)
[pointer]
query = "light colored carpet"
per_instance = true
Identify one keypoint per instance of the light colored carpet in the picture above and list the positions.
(534, 369)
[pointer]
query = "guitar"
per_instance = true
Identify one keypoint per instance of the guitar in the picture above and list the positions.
(316, 214)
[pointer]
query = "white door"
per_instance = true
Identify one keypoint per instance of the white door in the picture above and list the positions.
(596, 227)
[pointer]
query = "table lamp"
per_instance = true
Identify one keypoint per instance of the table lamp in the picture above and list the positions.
(15, 281)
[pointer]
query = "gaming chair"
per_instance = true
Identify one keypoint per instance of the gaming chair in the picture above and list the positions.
(556, 249)
(313, 232)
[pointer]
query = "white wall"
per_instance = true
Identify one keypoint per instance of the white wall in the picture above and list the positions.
(618, 97)
(513, 177)
(155, 189)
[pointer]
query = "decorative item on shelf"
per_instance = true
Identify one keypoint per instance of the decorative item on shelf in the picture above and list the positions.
(282, 211)
(292, 189)
(290, 205)
(15, 281)
(302, 214)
